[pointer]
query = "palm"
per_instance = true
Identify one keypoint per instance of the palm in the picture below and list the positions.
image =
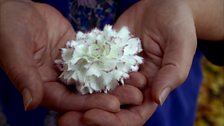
(48, 42)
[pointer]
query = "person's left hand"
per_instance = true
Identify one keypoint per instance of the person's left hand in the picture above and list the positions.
(31, 35)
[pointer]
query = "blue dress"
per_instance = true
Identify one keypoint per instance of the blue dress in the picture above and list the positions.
(178, 110)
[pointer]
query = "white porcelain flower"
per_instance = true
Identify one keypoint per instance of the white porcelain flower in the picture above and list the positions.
(98, 60)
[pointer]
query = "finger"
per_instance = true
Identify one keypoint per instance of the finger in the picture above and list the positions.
(60, 99)
(72, 118)
(135, 116)
(128, 95)
(167, 79)
(97, 117)
(178, 56)
(136, 79)
(144, 111)
(123, 118)
(17, 61)
(29, 83)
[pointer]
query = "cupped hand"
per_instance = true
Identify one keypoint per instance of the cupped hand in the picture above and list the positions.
(168, 35)
(31, 35)
(167, 31)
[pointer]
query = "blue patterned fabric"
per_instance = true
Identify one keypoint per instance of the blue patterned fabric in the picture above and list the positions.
(179, 108)
(88, 14)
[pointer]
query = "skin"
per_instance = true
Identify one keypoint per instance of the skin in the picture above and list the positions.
(209, 18)
(31, 35)
(168, 30)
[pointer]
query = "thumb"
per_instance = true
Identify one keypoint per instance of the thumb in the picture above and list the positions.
(17, 61)
(167, 79)
(175, 67)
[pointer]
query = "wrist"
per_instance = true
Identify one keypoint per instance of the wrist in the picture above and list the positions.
(209, 18)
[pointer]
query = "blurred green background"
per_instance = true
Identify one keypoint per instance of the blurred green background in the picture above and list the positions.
(211, 98)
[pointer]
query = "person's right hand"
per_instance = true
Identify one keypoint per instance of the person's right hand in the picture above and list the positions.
(31, 35)
(167, 31)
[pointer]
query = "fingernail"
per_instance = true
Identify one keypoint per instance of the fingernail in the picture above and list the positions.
(27, 98)
(164, 95)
